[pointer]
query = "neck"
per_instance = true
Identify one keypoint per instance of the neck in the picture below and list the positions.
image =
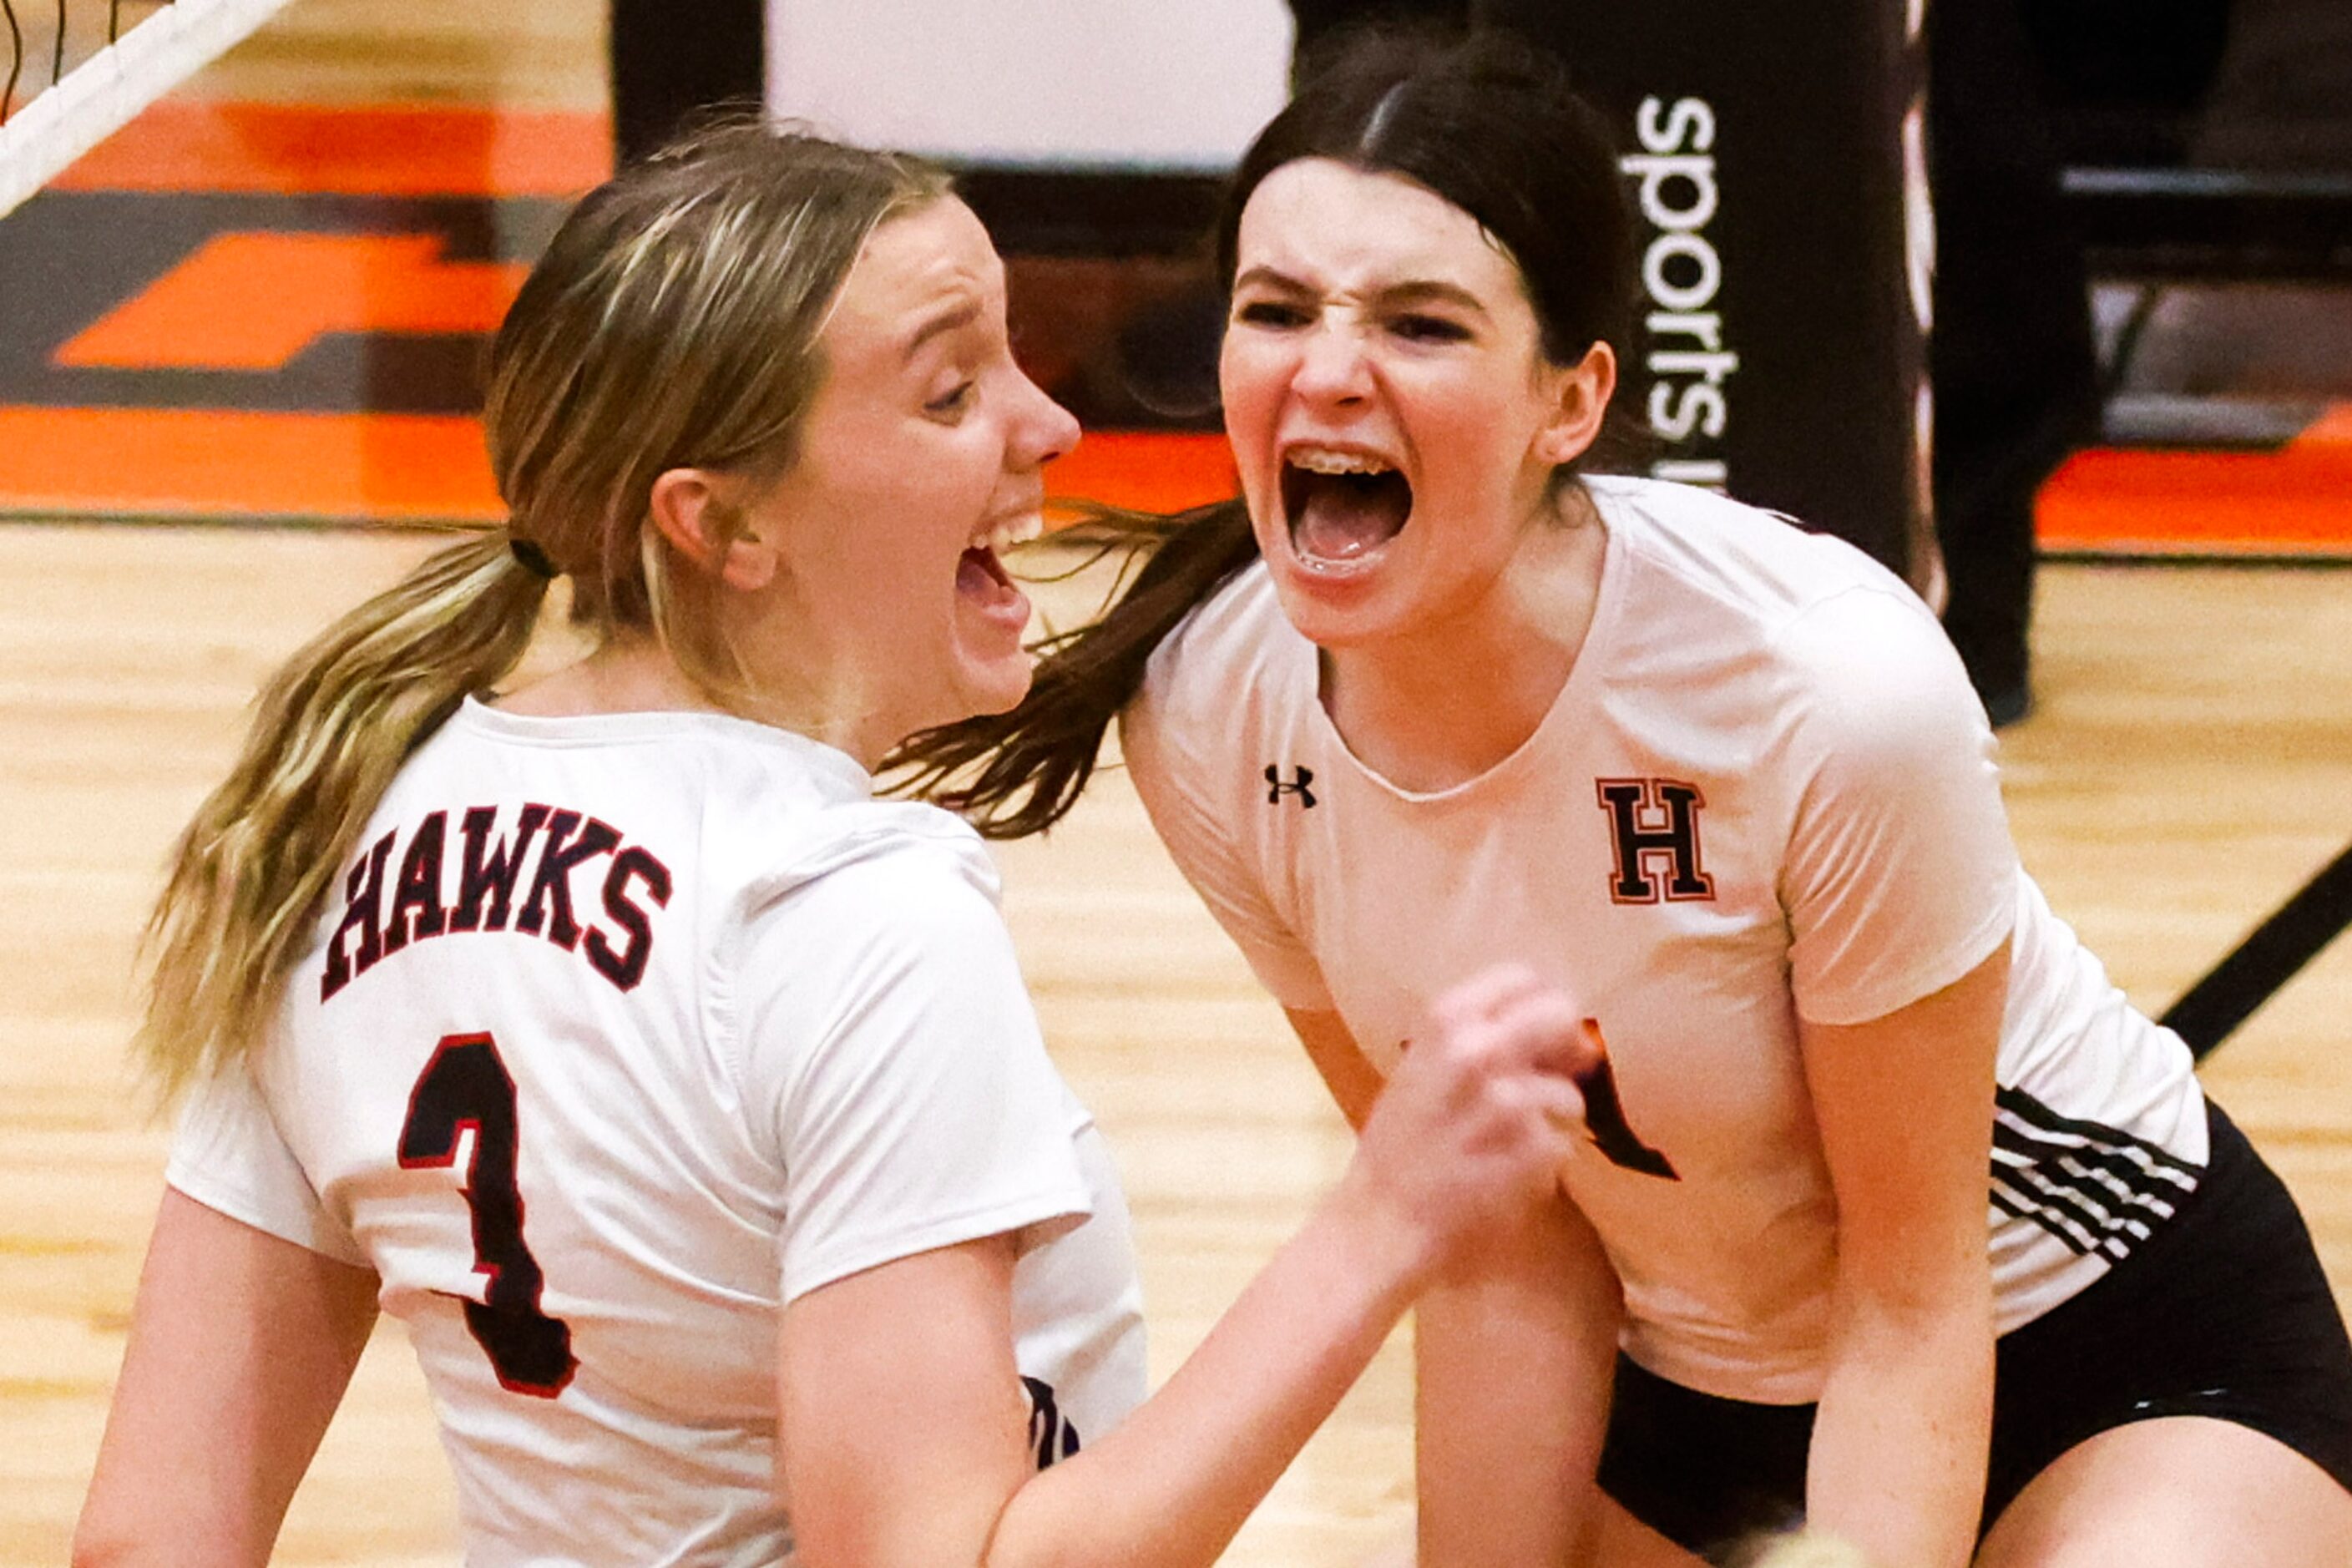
(1449, 700)
(635, 675)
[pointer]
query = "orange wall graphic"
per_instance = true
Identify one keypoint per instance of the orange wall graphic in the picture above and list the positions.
(253, 301)
(240, 311)
(296, 331)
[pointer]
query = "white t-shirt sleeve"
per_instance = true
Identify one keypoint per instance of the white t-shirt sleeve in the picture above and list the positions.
(892, 1056)
(1178, 774)
(229, 1157)
(1900, 875)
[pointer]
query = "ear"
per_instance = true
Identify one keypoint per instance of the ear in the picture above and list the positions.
(699, 513)
(1580, 398)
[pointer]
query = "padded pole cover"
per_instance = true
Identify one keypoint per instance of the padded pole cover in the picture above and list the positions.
(1775, 151)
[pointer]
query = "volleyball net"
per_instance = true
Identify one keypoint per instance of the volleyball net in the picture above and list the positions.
(73, 72)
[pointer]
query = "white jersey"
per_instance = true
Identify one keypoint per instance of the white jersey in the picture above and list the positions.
(1765, 791)
(623, 1032)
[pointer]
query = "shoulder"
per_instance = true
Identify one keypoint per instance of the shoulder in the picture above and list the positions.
(1229, 667)
(1878, 681)
(913, 868)
(1764, 567)
(1813, 627)
(1236, 631)
(867, 935)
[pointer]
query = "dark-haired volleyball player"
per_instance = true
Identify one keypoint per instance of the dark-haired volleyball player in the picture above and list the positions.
(1893, 1212)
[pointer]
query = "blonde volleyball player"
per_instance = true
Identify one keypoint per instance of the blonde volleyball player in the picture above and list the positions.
(1894, 1214)
(682, 1100)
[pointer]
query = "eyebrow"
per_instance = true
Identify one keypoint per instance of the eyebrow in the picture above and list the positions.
(1411, 291)
(963, 314)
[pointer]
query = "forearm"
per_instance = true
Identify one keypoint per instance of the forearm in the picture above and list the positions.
(1470, 1132)
(1897, 1463)
(240, 1347)
(1514, 1354)
(1172, 1484)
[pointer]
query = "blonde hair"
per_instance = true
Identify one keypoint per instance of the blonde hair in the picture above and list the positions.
(1801, 1549)
(673, 322)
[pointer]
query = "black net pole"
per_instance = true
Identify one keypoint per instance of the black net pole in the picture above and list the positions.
(671, 58)
(1763, 147)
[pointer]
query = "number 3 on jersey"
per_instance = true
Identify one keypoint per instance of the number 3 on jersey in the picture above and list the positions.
(465, 1085)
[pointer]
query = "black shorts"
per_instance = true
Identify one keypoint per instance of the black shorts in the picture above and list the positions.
(2225, 1312)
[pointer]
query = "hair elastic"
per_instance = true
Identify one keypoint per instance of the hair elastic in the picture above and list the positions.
(1382, 112)
(532, 557)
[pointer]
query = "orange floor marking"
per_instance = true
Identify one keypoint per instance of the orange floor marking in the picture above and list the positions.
(1146, 472)
(197, 465)
(211, 312)
(2296, 500)
(409, 467)
(392, 150)
(253, 301)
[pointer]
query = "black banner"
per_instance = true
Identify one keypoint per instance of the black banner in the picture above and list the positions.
(1774, 153)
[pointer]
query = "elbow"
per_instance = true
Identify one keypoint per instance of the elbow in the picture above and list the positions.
(95, 1547)
(1910, 1293)
(124, 1538)
(1936, 1318)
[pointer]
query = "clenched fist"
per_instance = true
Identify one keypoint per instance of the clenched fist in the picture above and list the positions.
(1481, 1113)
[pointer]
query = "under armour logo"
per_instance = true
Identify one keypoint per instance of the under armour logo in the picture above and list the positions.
(1653, 827)
(1277, 786)
(1051, 1435)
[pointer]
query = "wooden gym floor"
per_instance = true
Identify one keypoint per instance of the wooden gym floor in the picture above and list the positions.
(2189, 767)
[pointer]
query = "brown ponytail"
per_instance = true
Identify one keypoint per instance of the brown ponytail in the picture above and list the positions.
(1046, 747)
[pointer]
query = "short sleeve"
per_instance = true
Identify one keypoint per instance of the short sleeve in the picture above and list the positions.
(892, 1056)
(229, 1155)
(1900, 875)
(1177, 783)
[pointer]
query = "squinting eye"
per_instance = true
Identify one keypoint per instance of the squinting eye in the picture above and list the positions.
(1271, 313)
(1429, 329)
(953, 402)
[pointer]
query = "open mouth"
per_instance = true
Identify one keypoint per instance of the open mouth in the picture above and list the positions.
(980, 575)
(1342, 506)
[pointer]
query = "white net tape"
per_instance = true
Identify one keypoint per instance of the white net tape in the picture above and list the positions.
(101, 95)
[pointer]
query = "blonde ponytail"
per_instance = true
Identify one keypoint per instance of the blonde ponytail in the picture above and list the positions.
(672, 322)
(252, 872)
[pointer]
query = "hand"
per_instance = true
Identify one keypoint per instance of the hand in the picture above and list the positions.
(1481, 1113)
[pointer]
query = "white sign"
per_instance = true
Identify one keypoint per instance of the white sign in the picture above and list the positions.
(1152, 84)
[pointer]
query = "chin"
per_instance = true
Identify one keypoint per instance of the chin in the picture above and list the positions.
(997, 686)
(1332, 633)
(1329, 614)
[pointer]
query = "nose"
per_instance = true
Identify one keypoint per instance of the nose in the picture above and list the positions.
(1333, 369)
(1045, 431)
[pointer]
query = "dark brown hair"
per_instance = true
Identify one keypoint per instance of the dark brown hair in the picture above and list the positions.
(1489, 122)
